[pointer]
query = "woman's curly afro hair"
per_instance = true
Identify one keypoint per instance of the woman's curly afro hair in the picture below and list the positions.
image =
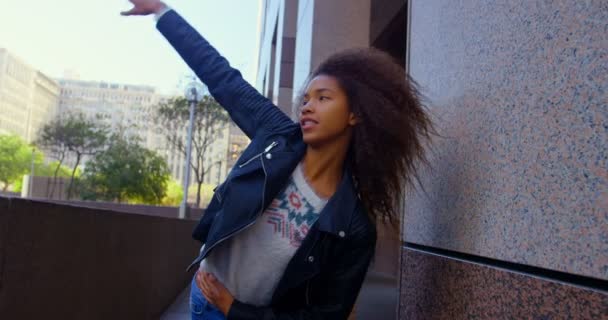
(392, 123)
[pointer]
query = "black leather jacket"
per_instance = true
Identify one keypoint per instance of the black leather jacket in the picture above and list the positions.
(324, 277)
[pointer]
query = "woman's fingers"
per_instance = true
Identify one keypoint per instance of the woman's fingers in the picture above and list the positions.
(204, 285)
(128, 13)
(209, 286)
(144, 7)
(198, 280)
(207, 289)
(135, 11)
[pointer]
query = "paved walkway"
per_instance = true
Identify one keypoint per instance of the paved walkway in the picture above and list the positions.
(180, 309)
(378, 300)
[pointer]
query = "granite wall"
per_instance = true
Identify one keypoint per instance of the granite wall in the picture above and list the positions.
(518, 92)
(440, 287)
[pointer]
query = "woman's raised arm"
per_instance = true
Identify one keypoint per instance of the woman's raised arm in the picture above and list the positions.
(250, 110)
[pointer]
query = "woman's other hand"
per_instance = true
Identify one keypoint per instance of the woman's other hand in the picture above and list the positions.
(214, 291)
(144, 7)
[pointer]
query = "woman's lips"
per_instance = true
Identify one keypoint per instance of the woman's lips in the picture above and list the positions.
(308, 124)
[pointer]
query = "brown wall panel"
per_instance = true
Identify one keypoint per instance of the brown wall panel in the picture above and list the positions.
(66, 262)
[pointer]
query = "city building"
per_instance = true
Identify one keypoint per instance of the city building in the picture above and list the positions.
(296, 35)
(130, 108)
(120, 106)
(28, 98)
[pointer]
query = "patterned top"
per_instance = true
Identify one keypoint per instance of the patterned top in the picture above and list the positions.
(251, 263)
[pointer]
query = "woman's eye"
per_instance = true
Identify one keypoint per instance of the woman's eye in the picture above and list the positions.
(323, 98)
(304, 102)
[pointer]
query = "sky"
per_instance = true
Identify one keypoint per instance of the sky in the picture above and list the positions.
(91, 39)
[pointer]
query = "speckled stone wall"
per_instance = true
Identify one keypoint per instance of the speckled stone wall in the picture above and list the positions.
(519, 90)
(436, 287)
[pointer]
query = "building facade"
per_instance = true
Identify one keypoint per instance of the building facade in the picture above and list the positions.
(120, 106)
(296, 35)
(28, 98)
(513, 220)
(130, 108)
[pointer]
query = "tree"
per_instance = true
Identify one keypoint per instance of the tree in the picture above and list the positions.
(75, 134)
(52, 168)
(42, 169)
(174, 194)
(210, 119)
(125, 171)
(53, 139)
(15, 159)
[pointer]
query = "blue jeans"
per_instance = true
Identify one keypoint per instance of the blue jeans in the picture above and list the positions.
(200, 308)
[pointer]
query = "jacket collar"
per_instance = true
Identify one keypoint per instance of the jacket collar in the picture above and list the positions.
(337, 215)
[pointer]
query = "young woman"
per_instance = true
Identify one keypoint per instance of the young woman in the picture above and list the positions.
(291, 232)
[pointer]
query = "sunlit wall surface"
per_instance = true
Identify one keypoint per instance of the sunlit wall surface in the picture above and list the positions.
(28, 98)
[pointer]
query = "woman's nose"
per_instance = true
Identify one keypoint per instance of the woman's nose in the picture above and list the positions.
(306, 108)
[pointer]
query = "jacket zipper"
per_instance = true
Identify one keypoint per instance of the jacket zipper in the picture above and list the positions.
(230, 235)
(254, 157)
(264, 186)
(272, 145)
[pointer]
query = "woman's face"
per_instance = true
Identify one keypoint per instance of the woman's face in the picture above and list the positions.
(325, 116)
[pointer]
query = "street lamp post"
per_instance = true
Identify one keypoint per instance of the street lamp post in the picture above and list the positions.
(194, 94)
(31, 180)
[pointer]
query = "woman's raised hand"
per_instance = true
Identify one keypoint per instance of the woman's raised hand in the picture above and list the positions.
(144, 7)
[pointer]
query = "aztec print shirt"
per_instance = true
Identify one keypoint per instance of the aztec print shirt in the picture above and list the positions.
(251, 263)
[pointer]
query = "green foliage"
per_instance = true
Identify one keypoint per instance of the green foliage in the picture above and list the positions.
(15, 159)
(174, 194)
(17, 185)
(48, 170)
(42, 169)
(75, 134)
(125, 171)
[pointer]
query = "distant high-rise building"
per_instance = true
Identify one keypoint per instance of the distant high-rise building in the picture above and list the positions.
(119, 105)
(130, 108)
(28, 98)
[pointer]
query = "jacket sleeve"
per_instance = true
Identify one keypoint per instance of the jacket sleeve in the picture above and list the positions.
(339, 296)
(250, 110)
